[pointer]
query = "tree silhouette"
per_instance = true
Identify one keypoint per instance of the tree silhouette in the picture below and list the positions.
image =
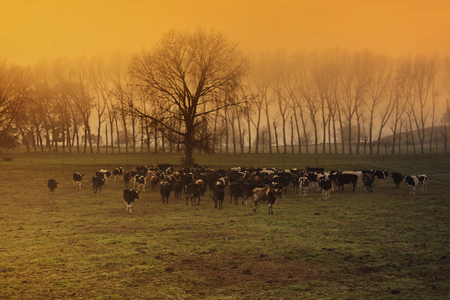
(187, 72)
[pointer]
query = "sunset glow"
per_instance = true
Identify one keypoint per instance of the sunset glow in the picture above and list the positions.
(31, 30)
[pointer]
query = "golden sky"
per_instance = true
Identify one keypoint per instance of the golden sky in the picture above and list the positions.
(34, 29)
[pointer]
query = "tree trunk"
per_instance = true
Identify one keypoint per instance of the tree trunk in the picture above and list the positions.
(276, 137)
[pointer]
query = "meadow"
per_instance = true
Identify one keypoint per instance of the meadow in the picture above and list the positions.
(356, 245)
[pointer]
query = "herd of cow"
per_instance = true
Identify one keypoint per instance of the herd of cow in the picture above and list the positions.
(262, 184)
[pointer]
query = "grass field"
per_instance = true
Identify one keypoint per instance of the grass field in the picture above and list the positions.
(79, 245)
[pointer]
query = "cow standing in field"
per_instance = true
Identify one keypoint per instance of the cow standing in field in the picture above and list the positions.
(139, 182)
(398, 178)
(381, 175)
(359, 181)
(235, 191)
(369, 182)
(193, 191)
(105, 174)
(264, 195)
(77, 180)
(129, 195)
(177, 188)
(126, 178)
(97, 183)
(52, 185)
(165, 189)
(347, 178)
(416, 181)
(303, 185)
(218, 191)
(118, 173)
(325, 185)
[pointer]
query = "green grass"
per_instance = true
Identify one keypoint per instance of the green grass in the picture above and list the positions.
(80, 245)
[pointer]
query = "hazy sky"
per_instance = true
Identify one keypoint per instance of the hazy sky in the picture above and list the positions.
(34, 29)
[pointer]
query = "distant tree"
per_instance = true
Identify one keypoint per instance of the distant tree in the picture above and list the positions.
(185, 70)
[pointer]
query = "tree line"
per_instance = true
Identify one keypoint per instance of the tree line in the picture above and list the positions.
(198, 91)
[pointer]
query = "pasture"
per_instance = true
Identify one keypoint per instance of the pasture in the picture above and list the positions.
(79, 245)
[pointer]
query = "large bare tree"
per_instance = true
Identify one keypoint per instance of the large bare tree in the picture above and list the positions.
(185, 69)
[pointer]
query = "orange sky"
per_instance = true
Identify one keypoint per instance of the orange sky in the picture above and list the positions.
(34, 29)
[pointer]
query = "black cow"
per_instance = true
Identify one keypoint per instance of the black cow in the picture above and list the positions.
(416, 181)
(264, 195)
(398, 178)
(177, 187)
(187, 178)
(126, 178)
(77, 180)
(325, 185)
(129, 195)
(97, 183)
(165, 189)
(247, 190)
(347, 179)
(52, 185)
(235, 191)
(369, 181)
(218, 191)
(193, 191)
(165, 168)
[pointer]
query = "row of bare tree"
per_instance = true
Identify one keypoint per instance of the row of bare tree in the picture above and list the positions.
(198, 91)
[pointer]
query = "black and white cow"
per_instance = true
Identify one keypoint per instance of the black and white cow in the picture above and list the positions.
(129, 195)
(381, 175)
(77, 180)
(398, 178)
(105, 174)
(313, 179)
(303, 186)
(52, 185)
(118, 173)
(218, 191)
(416, 181)
(164, 189)
(359, 174)
(139, 182)
(264, 195)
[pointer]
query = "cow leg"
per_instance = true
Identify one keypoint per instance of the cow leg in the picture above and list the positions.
(187, 198)
(198, 200)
